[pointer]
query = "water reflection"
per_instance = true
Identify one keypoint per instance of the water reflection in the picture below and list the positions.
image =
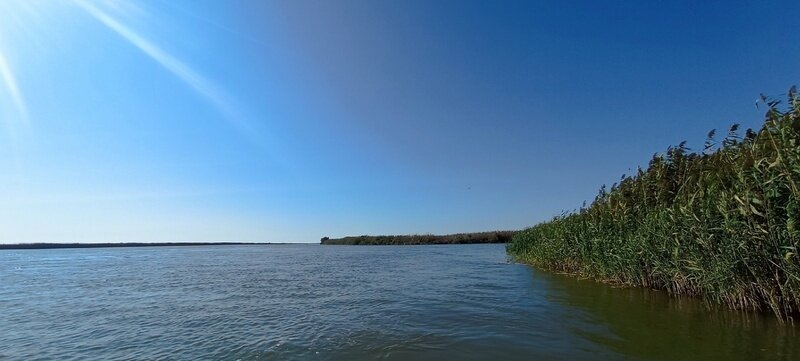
(651, 325)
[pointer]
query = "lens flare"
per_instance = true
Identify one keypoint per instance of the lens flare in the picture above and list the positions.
(20, 20)
(198, 83)
(10, 83)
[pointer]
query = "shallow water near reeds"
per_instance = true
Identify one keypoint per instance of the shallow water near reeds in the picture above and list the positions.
(311, 302)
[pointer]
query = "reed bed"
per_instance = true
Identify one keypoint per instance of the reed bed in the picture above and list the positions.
(722, 223)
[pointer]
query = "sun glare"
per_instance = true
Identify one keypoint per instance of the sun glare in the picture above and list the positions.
(14, 15)
(35, 21)
(11, 87)
(23, 23)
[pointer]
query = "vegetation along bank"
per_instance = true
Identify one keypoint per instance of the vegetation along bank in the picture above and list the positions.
(460, 238)
(722, 223)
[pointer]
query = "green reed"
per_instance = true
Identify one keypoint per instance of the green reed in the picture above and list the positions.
(722, 223)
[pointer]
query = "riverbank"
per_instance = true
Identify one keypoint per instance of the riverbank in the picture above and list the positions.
(419, 239)
(722, 223)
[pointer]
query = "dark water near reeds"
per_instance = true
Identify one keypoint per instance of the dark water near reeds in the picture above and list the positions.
(310, 302)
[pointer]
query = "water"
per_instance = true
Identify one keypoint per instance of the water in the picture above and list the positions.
(310, 302)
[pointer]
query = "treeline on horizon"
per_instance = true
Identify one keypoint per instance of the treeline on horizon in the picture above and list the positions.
(722, 222)
(417, 239)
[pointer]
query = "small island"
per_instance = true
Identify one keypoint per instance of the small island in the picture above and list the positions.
(419, 239)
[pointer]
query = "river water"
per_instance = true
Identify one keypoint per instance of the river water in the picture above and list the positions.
(311, 302)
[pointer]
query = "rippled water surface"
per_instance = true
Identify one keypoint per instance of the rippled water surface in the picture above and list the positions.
(310, 302)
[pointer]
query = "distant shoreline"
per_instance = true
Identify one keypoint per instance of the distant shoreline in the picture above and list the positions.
(423, 239)
(118, 245)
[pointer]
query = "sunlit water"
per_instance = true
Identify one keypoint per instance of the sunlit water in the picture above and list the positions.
(310, 302)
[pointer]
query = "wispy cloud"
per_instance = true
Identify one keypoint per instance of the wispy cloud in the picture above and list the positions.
(198, 83)
(10, 83)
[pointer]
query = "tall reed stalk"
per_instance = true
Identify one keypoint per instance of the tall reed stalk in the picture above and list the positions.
(722, 223)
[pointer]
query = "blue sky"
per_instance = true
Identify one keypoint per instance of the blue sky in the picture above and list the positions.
(286, 121)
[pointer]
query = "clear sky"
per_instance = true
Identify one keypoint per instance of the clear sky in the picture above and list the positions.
(286, 121)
